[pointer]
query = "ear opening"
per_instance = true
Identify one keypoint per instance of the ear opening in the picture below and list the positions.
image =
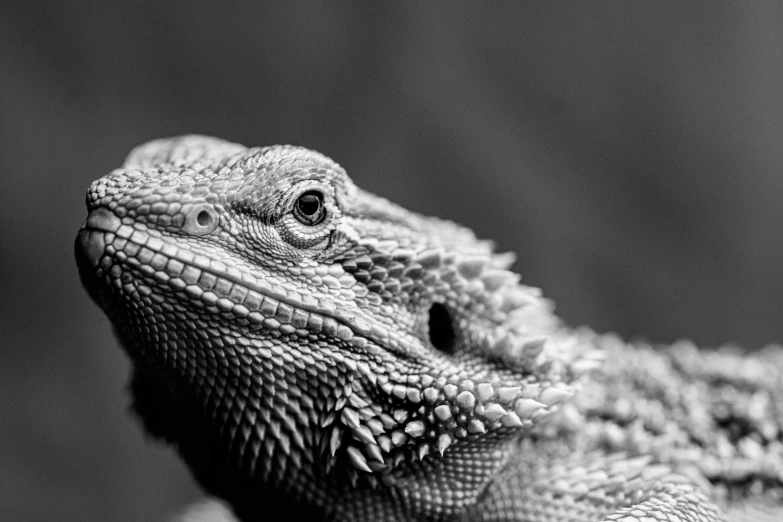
(441, 327)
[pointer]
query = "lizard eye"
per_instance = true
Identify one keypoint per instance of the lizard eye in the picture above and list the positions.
(309, 218)
(309, 208)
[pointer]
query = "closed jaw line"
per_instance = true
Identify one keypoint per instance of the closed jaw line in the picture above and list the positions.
(229, 289)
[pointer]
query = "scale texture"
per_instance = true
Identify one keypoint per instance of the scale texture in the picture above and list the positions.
(313, 350)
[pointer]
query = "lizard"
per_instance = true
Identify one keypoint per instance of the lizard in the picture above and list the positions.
(311, 349)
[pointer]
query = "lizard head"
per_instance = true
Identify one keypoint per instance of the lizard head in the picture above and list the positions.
(314, 326)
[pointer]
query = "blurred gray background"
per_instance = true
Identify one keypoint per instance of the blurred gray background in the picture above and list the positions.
(631, 156)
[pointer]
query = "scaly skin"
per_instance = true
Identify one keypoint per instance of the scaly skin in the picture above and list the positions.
(312, 349)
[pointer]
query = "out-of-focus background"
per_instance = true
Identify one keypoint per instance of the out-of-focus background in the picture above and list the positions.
(630, 154)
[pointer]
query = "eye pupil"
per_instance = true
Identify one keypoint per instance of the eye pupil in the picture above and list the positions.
(309, 203)
(309, 209)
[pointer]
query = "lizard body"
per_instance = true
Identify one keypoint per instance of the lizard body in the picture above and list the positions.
(311, 347)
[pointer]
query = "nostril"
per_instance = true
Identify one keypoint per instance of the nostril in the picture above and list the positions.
(201, 220)
(442, 334)
(204, 218)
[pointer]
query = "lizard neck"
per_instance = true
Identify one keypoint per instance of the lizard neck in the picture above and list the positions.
(254, 458)
(239, 440)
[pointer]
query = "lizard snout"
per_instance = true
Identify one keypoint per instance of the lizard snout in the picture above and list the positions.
(91, 241)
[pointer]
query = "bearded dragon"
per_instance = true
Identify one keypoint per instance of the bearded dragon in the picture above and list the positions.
(311, 349)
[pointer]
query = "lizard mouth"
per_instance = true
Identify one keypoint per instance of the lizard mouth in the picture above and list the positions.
(90, 247)
(91, 239)
(104, 244)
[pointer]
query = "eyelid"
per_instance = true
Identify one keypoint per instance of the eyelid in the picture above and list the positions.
(288, 201)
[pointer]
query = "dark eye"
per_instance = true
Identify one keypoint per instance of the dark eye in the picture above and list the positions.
(309, 208)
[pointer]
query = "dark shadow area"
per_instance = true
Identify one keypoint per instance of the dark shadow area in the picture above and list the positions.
(442, 335)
